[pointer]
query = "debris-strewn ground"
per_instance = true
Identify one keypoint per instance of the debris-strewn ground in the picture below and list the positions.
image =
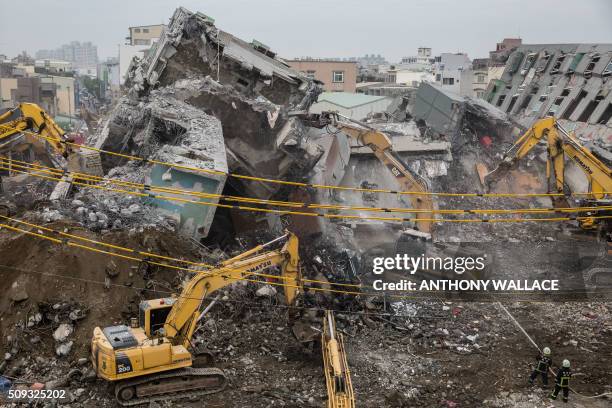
(414, 354)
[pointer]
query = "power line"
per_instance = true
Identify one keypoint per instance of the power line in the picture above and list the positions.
(414, 295)
(301, 184)
(293, 204)
(135, 252)
(323, 215)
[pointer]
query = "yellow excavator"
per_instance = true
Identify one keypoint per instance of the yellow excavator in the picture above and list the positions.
(18, 127)
(337, 373)
(561, 144)
(155, 359)
(382, 146)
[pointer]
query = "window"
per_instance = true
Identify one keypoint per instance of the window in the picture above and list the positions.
(448, 81)
(338, 76)
(512, 102)
(438, 77)
(142, 42)
(480, 78)
(574, 104)
(480, 94)
(145, 30)
(606, 115)
(137, 30)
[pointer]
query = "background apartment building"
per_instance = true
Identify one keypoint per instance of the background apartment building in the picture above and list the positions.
(138, 41)
(144, 35)
(336, 75)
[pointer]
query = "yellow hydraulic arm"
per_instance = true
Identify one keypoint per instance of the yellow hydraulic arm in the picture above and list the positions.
(382, 146)
(337, 374)
(31, 117)
(560, 144)
(184, 315)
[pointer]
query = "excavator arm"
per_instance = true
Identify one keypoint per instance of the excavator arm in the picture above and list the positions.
(183, 316)
(560, 144)
(337, 374)
(519, 149)
(382, 146)
(19, 128)
(31, 117)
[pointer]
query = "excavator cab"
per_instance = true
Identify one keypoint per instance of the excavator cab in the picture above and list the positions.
(152, 315)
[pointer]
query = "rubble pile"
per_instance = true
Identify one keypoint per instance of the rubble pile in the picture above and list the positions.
(204, 106)
(243, 85)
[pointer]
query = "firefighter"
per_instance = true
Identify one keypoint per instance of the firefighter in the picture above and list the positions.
(544, 362)
(563, 376)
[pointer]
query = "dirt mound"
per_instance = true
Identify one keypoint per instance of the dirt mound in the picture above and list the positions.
(42, 276)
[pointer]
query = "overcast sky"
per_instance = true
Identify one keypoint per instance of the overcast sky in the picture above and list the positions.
(316, 28)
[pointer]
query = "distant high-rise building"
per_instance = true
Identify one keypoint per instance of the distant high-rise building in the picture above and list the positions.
(82, 55)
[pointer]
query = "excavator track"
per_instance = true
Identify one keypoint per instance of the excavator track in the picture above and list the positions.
(183, 383)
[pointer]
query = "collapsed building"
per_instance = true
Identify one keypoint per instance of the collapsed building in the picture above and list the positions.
(205, 99)
(568, 81)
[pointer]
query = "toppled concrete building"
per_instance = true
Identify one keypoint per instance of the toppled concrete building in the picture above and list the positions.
(245, 86)
(205, 99)
(450, 116)
(568, 81)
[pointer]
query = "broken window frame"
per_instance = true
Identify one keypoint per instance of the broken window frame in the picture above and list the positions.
(543, 62)
(529, 60)
(556, 68)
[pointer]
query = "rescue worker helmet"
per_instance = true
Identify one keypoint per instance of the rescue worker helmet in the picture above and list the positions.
(566, 363)
(546, 351)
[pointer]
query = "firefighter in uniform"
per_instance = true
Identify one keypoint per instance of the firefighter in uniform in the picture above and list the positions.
(563, 377)
(544, 362)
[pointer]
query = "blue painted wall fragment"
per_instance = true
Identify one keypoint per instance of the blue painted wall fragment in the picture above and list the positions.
(194, 219)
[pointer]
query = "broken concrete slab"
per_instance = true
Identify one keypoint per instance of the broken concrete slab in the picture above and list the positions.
(168, 130)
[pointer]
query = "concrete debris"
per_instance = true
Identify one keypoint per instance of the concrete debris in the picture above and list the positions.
(265, 290)
(34, 319)
(246, 87)
(64, 349)
(18, 292)
(191, 106)
(62, 332)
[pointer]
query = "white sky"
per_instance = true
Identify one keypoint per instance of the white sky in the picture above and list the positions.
(316, 28)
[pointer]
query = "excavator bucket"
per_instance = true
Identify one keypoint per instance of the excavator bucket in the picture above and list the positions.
(482, 171)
